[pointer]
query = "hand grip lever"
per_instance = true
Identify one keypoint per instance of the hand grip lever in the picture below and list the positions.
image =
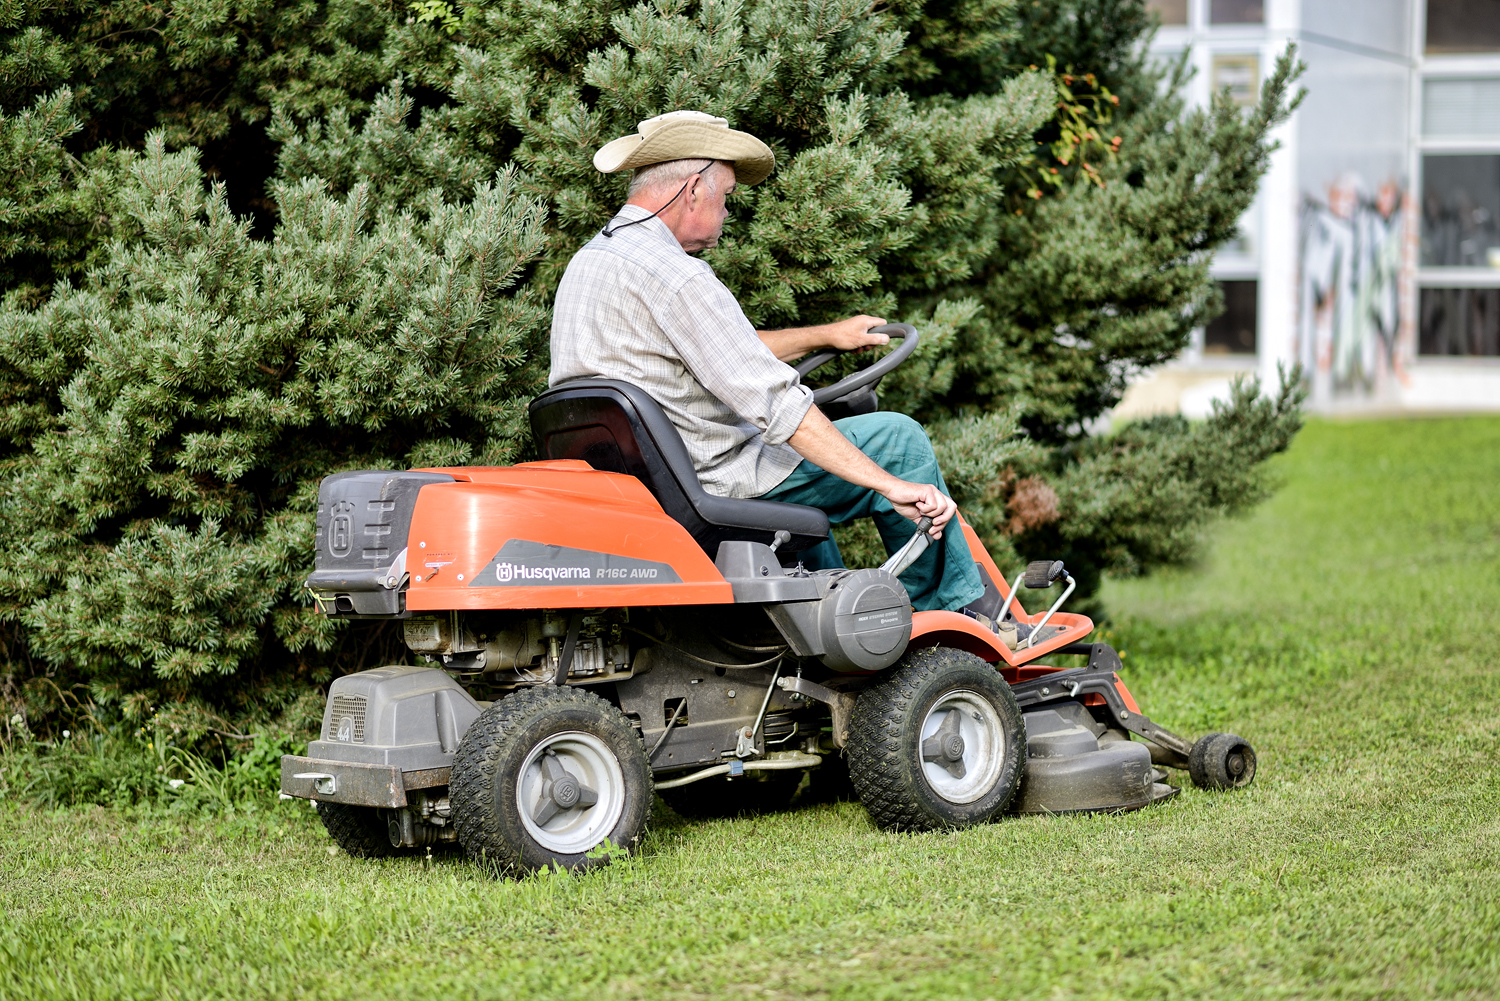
(907, 554)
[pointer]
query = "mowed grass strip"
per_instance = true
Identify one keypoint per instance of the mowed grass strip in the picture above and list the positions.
(1348, 629)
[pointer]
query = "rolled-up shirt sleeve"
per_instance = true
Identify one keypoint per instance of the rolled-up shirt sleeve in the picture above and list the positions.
(719, 346)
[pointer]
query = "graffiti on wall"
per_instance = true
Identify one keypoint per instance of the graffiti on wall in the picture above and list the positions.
(1352, 308)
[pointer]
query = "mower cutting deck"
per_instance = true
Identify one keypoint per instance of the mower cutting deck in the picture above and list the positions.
(598, 628)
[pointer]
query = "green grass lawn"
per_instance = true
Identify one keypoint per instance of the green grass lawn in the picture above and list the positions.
(1348, 629)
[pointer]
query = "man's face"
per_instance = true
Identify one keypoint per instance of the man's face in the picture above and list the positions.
(703, 216)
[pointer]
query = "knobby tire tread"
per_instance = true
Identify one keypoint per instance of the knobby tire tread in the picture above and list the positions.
(480, 828)
(875, 740)
(878, 770)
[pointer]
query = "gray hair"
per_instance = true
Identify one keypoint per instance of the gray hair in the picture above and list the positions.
(673, 173)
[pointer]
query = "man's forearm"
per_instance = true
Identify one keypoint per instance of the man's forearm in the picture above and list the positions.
(789, 345)
(845, 335)
(819, 442)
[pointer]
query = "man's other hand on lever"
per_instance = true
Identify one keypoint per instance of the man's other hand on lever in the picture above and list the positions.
(819, 442)
(916, 500)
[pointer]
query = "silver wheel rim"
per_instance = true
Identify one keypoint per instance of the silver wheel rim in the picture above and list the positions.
(979, 750)
(571, 792)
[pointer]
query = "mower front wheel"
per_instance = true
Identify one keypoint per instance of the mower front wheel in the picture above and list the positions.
(358, 830)
(1221, 761)
(939, 743)
(545, 776)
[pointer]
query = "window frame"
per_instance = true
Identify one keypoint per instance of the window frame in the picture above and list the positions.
(1209, 22)
(1221, 357)
(1187, 22)
(1431, 66)
(1422, 52)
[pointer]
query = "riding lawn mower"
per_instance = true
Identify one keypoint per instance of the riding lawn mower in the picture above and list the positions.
(596, 629)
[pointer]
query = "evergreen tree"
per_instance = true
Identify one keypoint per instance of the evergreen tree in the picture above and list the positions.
(169, 404)
(203, 72)
(157, 527)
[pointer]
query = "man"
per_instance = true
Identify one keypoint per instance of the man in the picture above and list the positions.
(634, 306)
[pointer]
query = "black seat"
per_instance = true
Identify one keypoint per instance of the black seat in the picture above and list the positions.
(617, 427)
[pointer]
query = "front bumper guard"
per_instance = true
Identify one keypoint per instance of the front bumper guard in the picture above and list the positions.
(354, 784)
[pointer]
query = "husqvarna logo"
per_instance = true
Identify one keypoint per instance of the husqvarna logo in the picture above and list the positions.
(507, 572)
(522, 563)
(341, 528)
(345, 732)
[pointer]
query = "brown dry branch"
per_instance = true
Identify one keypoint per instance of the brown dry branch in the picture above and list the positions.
(1032, 504)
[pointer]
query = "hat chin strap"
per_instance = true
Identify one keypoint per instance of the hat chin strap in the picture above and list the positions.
(608, 231)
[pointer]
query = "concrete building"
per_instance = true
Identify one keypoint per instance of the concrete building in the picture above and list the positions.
(1372, 251)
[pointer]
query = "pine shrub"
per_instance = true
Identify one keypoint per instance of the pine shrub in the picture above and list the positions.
(186, 348)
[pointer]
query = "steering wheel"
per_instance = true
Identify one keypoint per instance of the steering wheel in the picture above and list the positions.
(865, 379)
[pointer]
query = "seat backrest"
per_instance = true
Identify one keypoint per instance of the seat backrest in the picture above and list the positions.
(620, 428)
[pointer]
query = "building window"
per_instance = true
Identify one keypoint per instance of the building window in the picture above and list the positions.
(1461, 211)
(1460, 321)
(1236, 12)
(1241, 74)
(1233, 331)
(1461, 106)
(1171, 12)
(1461, 26)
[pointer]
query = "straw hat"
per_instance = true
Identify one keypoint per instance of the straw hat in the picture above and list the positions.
(683, 135)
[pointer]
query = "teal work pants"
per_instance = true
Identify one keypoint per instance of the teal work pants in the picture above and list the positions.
(945, 576)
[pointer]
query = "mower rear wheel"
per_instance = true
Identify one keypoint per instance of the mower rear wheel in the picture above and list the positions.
(753, 792)
(358, 830)
(545, 776)
(1221, 761)
(938, 743)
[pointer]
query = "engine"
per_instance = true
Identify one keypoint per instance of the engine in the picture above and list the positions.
(506, 650)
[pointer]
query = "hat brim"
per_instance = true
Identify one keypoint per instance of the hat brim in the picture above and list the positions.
(753, 159)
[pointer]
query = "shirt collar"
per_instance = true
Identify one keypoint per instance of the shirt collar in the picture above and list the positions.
(657, 228)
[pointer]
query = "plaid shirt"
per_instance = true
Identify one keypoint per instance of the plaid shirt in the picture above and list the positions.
(636, 308)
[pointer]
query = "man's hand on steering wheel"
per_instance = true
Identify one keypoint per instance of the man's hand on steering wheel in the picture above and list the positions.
(853, 334)
(916, 500)
(846, 335)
